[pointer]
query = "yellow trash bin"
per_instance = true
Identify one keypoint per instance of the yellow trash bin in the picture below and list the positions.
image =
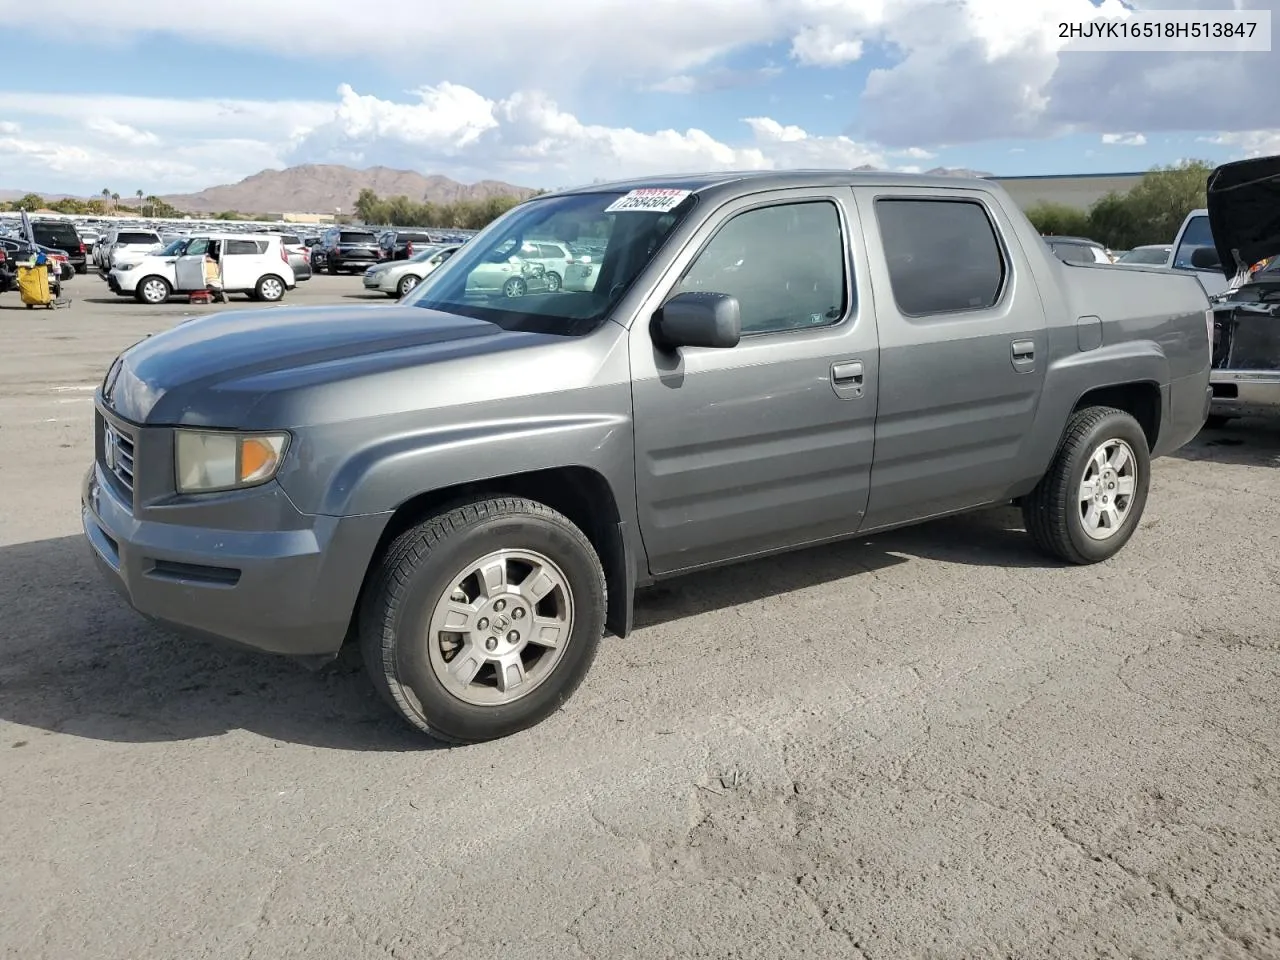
(33, 286)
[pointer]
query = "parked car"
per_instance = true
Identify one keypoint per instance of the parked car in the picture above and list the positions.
(472, 485)
(256, 266)
(347, 250)
(1244, 217)
(1194, 244)
(402, 244)
(61, 235)
(130, 247)
(1078, 249)
(1152, 254)
(299, 255)
(396, 278)
(18, 250)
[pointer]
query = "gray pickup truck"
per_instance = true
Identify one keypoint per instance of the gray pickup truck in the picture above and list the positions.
(473, 483)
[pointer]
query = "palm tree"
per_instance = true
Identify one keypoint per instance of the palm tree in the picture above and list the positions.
(115, 202)
(140, 202)
(106, 196)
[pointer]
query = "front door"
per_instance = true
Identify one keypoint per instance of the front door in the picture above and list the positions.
(189, 268)
(768, 444)
(963, 349)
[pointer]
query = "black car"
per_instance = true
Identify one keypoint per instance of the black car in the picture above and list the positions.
(61, 235)
(349, 250)
(400, 244)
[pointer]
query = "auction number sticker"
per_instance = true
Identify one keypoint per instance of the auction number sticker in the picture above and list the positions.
(649, 200)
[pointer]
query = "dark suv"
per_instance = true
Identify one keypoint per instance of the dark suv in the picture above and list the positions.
(349, 249)
(61, 235)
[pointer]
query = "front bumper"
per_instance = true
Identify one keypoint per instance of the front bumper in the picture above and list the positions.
(288, 590)
(1245, 392)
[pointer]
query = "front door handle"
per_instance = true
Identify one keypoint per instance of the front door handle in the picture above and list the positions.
(1024, 350)
(848, 373)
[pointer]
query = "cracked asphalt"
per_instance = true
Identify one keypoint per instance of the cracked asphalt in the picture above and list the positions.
(932, 743)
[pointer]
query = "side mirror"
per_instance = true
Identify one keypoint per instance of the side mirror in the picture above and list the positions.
(696, 319)
(1205, 258)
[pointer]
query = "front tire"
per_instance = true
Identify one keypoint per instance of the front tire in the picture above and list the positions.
(153, 290)
(1087, 505)
(407, 283)
(483, 620)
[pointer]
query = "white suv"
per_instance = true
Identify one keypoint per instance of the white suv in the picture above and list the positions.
(257, 266)
(130, 246)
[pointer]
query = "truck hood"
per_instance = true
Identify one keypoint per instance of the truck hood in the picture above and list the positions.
(166, 377)
(1244, 212)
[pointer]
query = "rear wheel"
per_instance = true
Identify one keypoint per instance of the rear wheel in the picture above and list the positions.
(270, 288)
(153, 290)
(482, 620)
(1091, 499)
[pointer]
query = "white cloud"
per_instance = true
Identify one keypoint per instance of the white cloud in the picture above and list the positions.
(1250, 143)
(1124, 139)
(525, 138)
(8, 128)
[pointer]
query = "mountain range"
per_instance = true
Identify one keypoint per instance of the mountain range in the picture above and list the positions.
(324, 188)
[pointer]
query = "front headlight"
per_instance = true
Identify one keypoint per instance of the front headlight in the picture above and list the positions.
(205, 461)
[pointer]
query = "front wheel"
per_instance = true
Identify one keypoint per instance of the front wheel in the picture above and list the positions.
(1091, 499)
(153, 290)
(407, 283)
(515, 287)
(481, 621)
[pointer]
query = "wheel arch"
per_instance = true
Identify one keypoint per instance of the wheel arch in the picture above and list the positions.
(1141, 399)
(581, 493)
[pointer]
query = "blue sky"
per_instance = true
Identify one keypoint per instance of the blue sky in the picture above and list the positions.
(609, 89)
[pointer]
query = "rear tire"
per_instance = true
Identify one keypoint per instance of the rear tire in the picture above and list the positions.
(461, 684)
(1087, 505)
(269, 289)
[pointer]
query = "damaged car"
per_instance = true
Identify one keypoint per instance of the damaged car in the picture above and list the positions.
(1244, 219)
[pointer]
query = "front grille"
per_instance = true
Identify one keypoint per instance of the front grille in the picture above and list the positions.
(118, 455)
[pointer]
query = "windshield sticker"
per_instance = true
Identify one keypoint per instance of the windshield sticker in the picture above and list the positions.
(648, 200)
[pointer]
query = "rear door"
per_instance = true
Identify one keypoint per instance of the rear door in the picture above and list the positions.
(243, 263)
(962, 351)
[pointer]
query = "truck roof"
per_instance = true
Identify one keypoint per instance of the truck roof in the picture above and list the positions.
(751, 181)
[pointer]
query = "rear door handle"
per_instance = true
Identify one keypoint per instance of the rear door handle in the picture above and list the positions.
(1024, 350)
(848, 373)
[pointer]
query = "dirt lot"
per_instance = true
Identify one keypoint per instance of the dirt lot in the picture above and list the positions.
(930, 744)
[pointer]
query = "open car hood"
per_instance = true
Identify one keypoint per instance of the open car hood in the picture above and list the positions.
(1244, 212)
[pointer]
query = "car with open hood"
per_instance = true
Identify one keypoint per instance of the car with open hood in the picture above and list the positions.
(1243, 215)
(471, 484)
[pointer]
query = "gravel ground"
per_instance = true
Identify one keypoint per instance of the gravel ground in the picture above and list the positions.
(928, 744)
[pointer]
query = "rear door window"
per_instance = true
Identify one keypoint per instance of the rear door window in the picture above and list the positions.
(943, 255)
(245, 246)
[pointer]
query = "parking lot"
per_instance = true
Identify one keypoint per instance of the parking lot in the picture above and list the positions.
(932, 743)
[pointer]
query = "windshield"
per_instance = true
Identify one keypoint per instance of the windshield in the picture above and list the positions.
(137, 238)
(513, 272)
(426, 253)
(174, 248)
(1149, 255)
(1195, 236)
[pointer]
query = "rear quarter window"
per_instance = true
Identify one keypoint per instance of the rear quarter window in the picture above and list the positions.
(943, 255)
